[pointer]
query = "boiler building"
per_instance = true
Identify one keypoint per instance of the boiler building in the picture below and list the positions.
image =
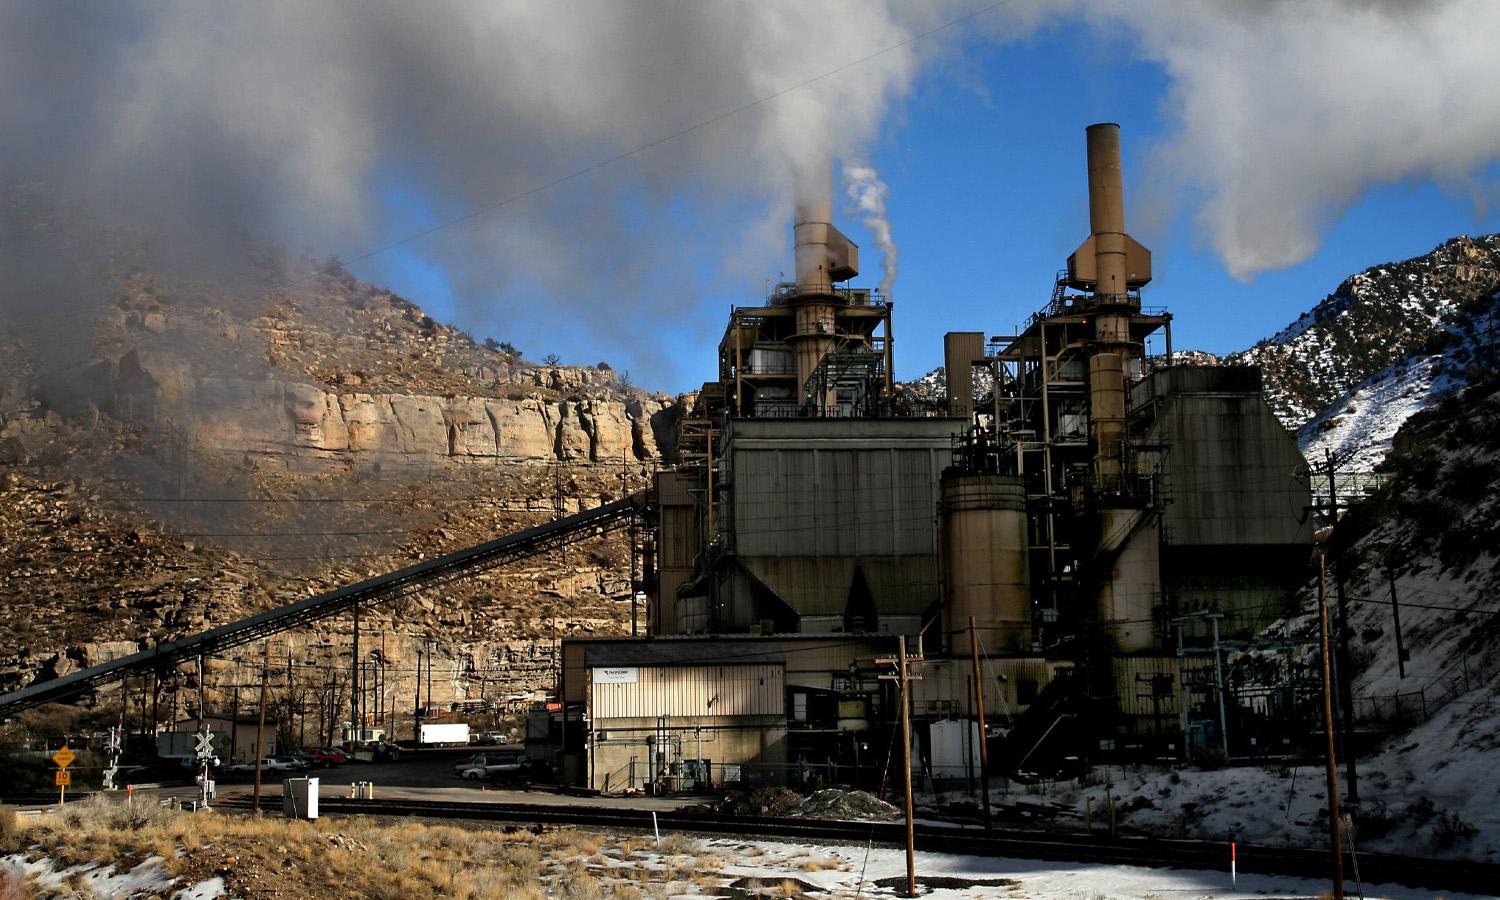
(1108, 520)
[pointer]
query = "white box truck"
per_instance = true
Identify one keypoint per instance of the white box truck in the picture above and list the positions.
(451, 734)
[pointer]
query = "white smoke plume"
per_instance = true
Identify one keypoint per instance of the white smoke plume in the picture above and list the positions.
(1286, 112)
(342, 126)
(339, 127)
(869, 195)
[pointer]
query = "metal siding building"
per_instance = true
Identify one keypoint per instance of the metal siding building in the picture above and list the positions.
(813, 500)
(721, 690)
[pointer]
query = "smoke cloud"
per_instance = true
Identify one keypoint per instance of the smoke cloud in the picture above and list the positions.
(337, 127)
(1285, 113)
(869, 194)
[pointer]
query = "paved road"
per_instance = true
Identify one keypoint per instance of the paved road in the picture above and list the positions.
(429, 775)
(426, 774)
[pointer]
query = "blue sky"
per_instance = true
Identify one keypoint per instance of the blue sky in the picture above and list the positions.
(985, 164)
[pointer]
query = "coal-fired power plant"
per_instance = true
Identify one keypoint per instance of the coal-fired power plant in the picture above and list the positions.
(1107, 530)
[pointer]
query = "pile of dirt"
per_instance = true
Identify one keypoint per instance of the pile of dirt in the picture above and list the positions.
(833, 803)
(765, 801)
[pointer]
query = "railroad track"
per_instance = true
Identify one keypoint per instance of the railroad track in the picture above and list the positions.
(1472, 877)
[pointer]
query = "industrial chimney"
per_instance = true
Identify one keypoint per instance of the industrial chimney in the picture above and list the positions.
(1110, 265)
(823, 256)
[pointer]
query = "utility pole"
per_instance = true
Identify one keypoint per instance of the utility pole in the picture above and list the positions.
(634, 585)
(1219, 678)
(1401, 654)
(234, 720)
(1341, 670)
(984, 744)
(1334, 815)
(416, 704)
(290, 692)
(354, 682)
(904, 680)
(260, 730)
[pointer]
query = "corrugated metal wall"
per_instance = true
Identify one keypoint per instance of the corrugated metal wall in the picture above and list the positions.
(754, 690)
(813, 502)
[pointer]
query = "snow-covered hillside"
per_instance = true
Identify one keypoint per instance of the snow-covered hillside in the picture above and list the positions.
(1375, 321)
(1358, 427)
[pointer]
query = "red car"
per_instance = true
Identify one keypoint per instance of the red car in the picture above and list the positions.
(327, 758)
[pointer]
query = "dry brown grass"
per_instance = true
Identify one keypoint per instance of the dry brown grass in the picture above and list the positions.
(818, 865)
(361, 856)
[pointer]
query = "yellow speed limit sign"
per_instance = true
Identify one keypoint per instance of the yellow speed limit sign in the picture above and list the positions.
(64, 778)
(64, 758)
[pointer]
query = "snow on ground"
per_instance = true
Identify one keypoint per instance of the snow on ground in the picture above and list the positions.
(1358, 427)
(1413, 801)
(880, 872)
(1432, 790)
(147, 879)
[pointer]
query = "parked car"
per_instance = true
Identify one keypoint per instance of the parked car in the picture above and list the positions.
(293, 761)
(269, 764)
(308, 760)
(475, 760)
(490, 737)
(325, 758)
(384, 751)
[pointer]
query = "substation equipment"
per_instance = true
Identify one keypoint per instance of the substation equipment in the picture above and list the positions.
(1121, 527)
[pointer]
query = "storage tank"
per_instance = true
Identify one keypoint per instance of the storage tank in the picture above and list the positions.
(984, 559)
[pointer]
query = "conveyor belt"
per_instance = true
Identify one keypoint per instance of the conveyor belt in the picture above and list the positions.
(381, 588)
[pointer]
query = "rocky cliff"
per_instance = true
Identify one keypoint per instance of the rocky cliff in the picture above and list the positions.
(217, 452)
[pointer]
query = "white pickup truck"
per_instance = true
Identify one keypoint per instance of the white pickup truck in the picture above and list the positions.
(497, 765)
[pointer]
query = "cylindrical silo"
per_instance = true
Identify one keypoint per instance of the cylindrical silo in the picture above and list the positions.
(984, 559)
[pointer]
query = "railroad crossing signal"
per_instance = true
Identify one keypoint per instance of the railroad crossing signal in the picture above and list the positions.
(64, 778)
(64, 758)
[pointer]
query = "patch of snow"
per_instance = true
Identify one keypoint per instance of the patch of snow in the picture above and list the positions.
(859, 870)
(147, 879)
(208, 889)
(1358, 427)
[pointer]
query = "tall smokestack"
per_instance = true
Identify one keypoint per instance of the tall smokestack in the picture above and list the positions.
(1110, 264)
(823, 256)
(1107, 209)
(811, 232)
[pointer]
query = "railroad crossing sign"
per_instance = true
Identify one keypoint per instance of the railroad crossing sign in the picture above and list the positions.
(64, 778)
(64, 758)
(205, 745)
